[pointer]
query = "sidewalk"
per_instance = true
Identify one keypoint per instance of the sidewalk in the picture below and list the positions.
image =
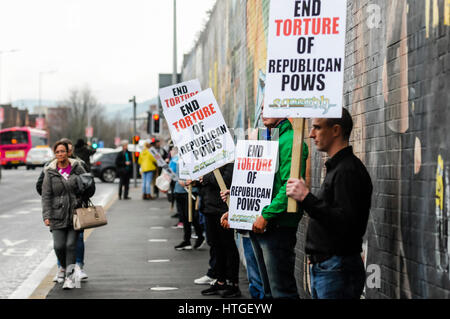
(117, 256)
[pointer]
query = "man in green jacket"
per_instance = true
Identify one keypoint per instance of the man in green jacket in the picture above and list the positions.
(274, 232)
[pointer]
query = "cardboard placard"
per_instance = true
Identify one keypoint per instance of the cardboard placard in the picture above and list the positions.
(199, 131)
(173, 95)
(251, 189)
(305, 59)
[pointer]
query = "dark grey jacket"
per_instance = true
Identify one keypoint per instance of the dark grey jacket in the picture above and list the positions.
(60, 197)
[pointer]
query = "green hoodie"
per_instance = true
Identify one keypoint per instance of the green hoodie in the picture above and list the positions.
(276, 213)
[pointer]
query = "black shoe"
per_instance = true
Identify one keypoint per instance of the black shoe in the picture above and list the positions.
(214, 289)
(199, 242)
(176, 215)
(232, 291)
(185, 245)
(127, 197)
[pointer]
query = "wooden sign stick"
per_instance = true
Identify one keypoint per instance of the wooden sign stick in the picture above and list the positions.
(221, 182)
(190, 202)
(297, 151)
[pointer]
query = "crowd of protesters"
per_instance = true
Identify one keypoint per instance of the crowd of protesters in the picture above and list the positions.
(338, 215)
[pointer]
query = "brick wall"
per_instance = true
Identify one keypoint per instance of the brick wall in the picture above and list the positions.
(397, 90)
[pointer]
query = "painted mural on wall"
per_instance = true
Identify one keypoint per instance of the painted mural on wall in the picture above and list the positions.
(397, 90)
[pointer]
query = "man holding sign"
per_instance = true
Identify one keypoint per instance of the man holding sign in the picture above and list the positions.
(339, 213)
(274, 232)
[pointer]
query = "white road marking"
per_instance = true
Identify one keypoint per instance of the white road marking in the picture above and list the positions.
(159, 261)
(23, 212)
(6, 216)
(163, 288)
(157, 227)
(10, 243)
(157, 240)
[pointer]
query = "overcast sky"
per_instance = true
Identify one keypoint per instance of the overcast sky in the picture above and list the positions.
(117, 47)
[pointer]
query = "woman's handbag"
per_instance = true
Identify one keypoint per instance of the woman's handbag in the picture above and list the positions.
(89, 217)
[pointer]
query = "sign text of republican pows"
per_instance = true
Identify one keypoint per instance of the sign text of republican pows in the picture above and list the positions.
(199, 131)
(178, 93)
(254, 169)
(305, 58)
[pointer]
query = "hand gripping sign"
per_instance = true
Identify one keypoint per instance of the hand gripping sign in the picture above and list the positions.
(254, 170)
(199, 131)
(305, 66)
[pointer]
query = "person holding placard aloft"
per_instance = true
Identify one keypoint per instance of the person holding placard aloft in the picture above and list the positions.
(338, 213)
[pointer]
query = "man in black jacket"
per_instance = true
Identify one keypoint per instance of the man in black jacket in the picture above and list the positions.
(84, 152)
(124, 165)
(339, 213)
(222, 240)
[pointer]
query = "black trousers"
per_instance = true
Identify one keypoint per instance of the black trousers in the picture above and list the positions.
(183, 210)
(124, 182)
(224, 245)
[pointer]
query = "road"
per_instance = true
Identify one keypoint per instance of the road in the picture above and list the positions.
(26, 249)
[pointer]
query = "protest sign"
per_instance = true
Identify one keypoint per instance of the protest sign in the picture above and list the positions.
(170, 96)
(253, 174)
(305, 59)
(175, 94)
(199, 131)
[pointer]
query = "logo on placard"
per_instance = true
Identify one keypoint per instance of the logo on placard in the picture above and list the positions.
(312, 103)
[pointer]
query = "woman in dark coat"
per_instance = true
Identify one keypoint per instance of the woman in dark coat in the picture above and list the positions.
(60, 197)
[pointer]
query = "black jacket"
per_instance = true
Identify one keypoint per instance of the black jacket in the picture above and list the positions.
(84, 153)
(340, 211)
(120, 162)
(211, 202)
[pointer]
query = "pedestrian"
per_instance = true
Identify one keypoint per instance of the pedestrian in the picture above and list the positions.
(181, 200)
(156, 143)
(124, 167)
(84, 152)
(273, 235)
(222, 240)
(60, 197)
(338, 213)
(59, 277)
(148, 167)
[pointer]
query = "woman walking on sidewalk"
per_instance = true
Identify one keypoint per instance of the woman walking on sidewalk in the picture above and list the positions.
(60, 197)
(148, 166)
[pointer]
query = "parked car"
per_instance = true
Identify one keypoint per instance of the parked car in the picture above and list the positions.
(38, 156)
(104, 167)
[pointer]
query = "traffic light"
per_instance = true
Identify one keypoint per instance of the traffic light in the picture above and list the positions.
(155, 123)
(94, 143)
(136, 139)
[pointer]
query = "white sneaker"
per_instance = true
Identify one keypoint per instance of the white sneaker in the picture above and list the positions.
(60, 274)
(205, 280)
(83, 275)
(69, 283)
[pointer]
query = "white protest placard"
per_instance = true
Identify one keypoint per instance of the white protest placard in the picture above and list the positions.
(178, 93)
(305, 59)
(251, 189)
(199, 131)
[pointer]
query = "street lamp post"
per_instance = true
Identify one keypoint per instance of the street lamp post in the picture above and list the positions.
(133, 100)
(1, 53)
(174, 73)
(40, 90)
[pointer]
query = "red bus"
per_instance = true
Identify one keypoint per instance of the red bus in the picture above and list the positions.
(15, 142)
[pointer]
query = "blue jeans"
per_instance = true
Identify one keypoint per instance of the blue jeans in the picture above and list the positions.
(146, 182)
(274, 251)
(255, 286)
(340, 277)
